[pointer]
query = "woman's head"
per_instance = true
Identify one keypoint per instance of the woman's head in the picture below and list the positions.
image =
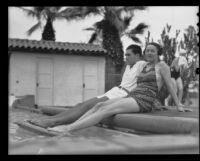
(152, 52)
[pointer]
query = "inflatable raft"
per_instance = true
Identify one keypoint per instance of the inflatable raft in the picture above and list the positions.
(161, 122)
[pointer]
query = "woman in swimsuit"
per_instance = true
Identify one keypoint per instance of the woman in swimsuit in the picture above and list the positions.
(177, 66)
(140, 100)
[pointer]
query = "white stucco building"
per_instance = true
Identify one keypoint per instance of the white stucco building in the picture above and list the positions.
(56, 73)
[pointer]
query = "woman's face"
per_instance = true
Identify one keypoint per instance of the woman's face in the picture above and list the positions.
(151, 53)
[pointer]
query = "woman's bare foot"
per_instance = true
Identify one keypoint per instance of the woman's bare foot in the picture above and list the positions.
(61, 128)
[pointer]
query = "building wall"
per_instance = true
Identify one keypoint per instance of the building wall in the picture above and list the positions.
(22, 74)
(67, 76)
(67, 80)
(113, 75)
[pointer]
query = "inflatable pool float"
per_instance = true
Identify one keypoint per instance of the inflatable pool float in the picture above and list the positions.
(157, 122)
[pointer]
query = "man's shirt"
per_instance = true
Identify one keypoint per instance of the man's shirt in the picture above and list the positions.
(129, 79)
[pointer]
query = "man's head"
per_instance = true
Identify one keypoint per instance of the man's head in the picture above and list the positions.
(133, 54)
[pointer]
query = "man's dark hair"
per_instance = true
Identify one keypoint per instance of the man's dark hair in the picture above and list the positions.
(135, 49)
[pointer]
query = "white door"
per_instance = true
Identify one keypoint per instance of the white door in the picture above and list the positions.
(44, 82)
(90, 80)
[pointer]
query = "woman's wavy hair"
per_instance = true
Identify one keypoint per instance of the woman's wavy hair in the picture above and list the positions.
(159, 48)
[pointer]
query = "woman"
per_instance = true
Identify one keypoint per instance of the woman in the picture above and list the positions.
(141, 99)
(177, 67)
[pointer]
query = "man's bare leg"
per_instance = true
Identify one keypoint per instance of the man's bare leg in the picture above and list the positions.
(70, 115)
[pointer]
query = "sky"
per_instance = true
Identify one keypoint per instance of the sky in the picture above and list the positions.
(179, 17)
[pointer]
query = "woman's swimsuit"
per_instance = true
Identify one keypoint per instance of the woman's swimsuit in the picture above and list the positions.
(146, 91)
(174, 73)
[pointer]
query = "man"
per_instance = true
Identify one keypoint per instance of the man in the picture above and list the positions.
(134, 67)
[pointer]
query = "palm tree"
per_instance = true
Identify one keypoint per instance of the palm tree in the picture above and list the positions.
(96, 36)
(111, 27)
(48, 14)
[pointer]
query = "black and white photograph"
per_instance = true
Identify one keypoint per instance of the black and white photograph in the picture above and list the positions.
(103, 80)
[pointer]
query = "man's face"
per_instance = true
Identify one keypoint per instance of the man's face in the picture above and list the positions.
(130, 57)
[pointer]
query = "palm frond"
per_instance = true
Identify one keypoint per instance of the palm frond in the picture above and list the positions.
(127, 21)
(90, 29)
(33, 28)
(75, 13)
(29, 12)
(57, 15)
(129, 9)
(39, 9)
(134, 38)
(93, 38)
(100, 24)
(57, 8)
(139, 29)
(51, 12)
(93, 9)
(69, 13)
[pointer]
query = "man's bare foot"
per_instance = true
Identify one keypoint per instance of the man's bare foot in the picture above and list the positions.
(45, 122)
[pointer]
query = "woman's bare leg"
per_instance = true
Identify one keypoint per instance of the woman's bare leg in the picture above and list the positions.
(87, 114)
(180, 89)
(169, 98)
(123, 105)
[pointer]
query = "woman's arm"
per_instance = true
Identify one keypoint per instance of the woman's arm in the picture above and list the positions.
(166, 75)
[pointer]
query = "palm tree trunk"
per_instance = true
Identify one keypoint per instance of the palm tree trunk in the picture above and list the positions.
(48, 32)
(112, 43)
